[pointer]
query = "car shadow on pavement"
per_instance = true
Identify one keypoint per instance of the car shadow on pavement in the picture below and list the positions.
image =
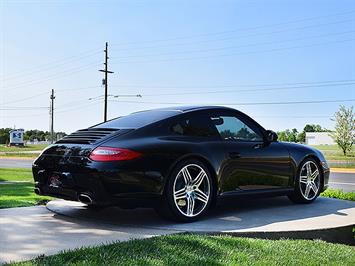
(229, 215)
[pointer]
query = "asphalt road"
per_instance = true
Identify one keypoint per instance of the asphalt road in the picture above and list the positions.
(345, 181)
(15, 163)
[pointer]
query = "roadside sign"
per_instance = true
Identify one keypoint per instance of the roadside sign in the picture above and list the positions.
(16, 137)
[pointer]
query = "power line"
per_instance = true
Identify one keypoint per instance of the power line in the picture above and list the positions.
(245, 103)
(78, 89)
(26, 98)
(240, 53)
(78, 107)
(241, 36)
(49, 65)
(286, 86)
(237, 85)
(16, 108)
(25, 115)
(55, 76)
(237, 30)
(234, 46)
(45, 93)
(248, 90)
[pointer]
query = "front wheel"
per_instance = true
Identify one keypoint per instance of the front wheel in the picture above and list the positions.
(307, 183)
(188, 192)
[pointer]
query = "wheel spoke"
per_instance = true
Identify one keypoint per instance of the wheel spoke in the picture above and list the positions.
(315, 174)
(309, 170)
(190, 206)
(314, 187)
(303, 179)
(201, 196)
(186, 175)
(308, 189)
(198, 180)
(180, 194)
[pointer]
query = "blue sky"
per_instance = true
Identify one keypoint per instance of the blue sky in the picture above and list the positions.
(204, 52)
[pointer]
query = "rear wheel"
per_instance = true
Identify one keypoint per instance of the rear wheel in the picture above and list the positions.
(307, 183)
(188, 192)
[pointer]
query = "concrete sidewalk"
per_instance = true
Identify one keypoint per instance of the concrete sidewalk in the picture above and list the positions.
(28, 232)
(31, 231)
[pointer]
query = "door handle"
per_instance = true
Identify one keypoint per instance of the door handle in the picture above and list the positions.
(234, 155)
(258, 146)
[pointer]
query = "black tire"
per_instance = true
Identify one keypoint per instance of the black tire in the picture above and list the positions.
(298, 196)
(168, 208)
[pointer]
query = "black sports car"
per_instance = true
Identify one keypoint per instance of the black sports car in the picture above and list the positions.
(178, 160)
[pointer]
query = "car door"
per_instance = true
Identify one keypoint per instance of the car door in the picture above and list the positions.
(250, 163)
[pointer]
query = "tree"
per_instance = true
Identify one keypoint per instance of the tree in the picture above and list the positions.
(288, 135)
(5, 135)
(29, 135)
(344, 134)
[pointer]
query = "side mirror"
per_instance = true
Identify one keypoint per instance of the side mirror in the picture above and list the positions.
(271, 136)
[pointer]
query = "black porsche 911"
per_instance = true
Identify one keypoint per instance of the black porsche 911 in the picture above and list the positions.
(179, 161)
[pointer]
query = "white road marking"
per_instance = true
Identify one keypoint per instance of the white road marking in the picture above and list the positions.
(338, 183)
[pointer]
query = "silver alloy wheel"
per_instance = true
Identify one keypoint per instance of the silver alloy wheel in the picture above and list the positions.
(309, 180)
(191, 190)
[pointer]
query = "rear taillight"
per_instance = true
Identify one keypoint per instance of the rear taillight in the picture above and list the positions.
(107, 154)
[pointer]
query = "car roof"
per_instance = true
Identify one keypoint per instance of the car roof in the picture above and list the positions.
(184, 109)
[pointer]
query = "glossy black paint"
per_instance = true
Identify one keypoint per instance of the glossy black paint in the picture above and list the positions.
(238, 167)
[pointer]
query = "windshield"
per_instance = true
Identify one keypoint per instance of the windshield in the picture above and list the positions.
(136, 120)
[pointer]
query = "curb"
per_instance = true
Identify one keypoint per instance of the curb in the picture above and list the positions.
(338, 235)
(343, 170)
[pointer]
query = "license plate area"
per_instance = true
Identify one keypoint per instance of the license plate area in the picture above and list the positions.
(54, 181)
(60, 180)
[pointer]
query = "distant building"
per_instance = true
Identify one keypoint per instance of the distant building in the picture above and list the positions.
(16, 137)
(319, 138)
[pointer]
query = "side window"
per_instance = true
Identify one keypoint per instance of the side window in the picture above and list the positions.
(231, 128)
(196, 126)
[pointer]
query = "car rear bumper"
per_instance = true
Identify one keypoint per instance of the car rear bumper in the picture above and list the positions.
(105, 184)
(69, 186)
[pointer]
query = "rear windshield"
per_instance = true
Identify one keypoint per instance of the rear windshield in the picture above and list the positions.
(137, 120)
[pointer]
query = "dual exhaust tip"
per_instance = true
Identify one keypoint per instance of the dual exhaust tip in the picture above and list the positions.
(82, 197)
(85, 198)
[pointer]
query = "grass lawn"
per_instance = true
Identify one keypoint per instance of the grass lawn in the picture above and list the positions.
(18, 194)
(34, 147)
(333, 155)
(189, 249)
(338, 194)
(16, 174)
(18, 152)
(333, 152)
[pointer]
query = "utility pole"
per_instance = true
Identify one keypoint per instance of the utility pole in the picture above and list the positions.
(52, 97)
(106, 71)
